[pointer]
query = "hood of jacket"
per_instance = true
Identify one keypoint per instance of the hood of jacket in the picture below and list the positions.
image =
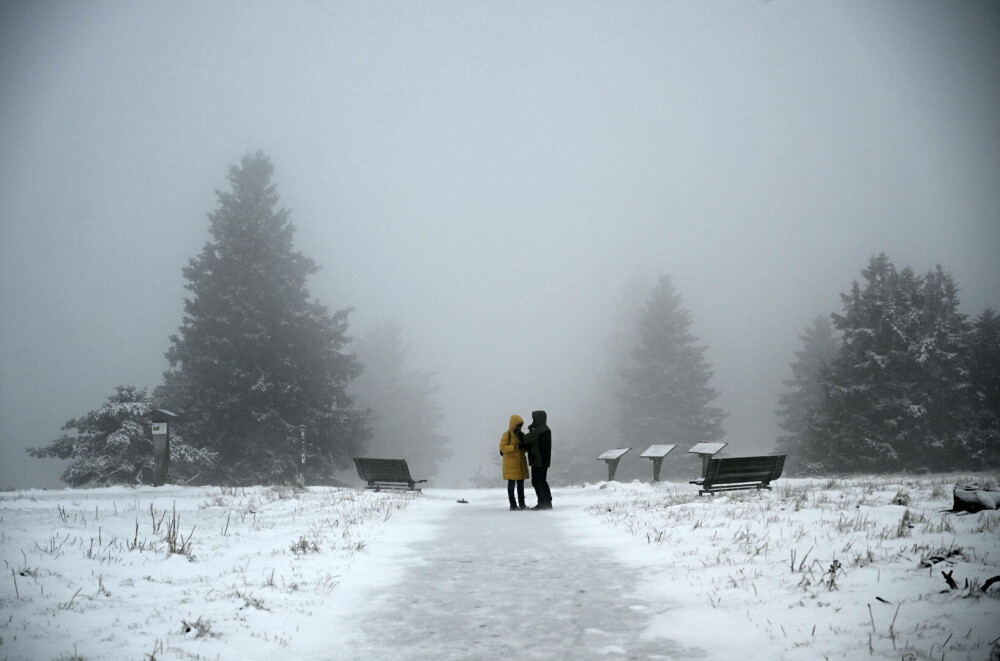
(515, 420)
(538, 419)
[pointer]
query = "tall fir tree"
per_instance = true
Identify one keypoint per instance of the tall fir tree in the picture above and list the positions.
(984, 377)
(114, 445)
(666, 397)
(405, 419)
(896, 395)
(256, 359)
(797, 408)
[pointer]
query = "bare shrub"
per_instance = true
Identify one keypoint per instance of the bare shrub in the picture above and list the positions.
(200, 627)
(304, 546)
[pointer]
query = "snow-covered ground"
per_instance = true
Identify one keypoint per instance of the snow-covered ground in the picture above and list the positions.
(842, 568)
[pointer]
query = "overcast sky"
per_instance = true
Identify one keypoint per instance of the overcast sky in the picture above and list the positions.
(489, 175)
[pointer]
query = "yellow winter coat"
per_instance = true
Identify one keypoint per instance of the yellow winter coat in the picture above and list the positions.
(515, 464)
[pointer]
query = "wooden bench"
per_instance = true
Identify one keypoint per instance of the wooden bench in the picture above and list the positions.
(386, 474)
(731, 473)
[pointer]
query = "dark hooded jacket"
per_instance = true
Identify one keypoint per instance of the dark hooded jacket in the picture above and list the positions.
(538, 441)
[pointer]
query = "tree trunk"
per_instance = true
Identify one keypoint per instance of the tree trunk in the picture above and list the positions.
(971, 499)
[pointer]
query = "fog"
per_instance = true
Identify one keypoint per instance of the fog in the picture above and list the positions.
(489, 176)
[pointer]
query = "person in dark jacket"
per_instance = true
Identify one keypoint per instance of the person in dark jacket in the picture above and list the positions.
(538, 441)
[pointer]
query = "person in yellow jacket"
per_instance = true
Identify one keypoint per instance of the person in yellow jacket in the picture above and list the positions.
(515, 464)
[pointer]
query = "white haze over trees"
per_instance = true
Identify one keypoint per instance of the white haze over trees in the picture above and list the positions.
(819, 348)
(490, 176)
(665, 392)
(406, 420)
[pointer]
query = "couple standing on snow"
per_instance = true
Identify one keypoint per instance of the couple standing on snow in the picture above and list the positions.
(537, 444)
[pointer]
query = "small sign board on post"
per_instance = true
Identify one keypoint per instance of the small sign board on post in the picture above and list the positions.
(657, 453)
(160, 420)
(705, 450)
(611, 457)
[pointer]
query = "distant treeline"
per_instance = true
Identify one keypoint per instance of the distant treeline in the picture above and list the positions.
(266, 389)
(900, 380)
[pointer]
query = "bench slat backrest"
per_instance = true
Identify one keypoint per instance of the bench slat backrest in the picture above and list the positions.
(383, 470)
(734, 470)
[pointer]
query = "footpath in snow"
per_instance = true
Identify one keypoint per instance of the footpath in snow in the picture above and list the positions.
(481, 582)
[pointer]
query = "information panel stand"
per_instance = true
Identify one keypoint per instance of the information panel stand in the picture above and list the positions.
(611, 457)
(657, 453)
(705, 451)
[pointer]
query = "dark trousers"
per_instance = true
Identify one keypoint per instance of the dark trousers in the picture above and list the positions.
(520, 492)
(540, 486)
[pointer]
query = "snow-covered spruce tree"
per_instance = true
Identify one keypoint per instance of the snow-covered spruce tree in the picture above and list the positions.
(114, 445)
(984, 375)
(797, 408)
(665, 397)
(255, 358)
(940, 356)
(896, 394)
(406, 420)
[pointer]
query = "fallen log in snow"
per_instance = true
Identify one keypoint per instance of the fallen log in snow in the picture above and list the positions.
(971, 499)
